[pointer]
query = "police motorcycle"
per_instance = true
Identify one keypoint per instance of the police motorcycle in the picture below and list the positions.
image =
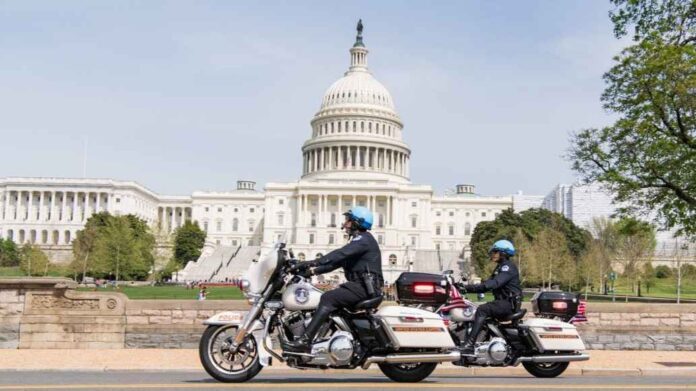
(406, 343)
(544, 345)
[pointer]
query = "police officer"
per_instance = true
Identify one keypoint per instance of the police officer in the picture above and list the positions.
(505, 284)
(361, 261)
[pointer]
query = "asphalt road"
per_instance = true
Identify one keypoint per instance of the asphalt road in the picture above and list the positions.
(310, 380)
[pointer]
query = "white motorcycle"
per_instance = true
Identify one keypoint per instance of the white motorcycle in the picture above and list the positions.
(406, 343)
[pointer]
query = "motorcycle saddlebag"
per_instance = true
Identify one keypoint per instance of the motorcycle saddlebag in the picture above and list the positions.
(552, 335)
(415, 328)
(555, 303)
(421, 288)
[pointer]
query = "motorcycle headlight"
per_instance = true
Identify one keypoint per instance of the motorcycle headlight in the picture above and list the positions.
(244, 285)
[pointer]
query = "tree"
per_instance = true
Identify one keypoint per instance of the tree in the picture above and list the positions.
(647, 158)
(550, 259)
(593, 266)
(636, 245)
(9, 254)
(33, 261)
(188, 242)
(606, 238)
(648, 276)
(510, 225)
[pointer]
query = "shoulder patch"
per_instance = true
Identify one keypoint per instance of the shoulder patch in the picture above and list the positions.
(355, 239)
(505, 268)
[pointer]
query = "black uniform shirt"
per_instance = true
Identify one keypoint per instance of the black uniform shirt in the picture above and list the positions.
(359, 256)
(504, 282)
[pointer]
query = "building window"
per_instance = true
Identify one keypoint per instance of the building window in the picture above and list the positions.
(235, 225)
(413, 240)
(313, 222)
(438, 230)
(207, 209)
(234, 242)
(281, 201)
(467, 214)
(118, 200)
(217, 241)
(483, 214)
(218, 227)
(467, 229)
(219, 210)
(451, 213)
(392, 259)
(251, 210)
(380, 239)
(333, 220)
(437, 246)
(331, 238)
(451, 230)
(236, 210)
(251, 225)
(205, 226)
(414, 221)
(438, 213)
(55, 236)
(311, 238)
(281, 219)
(414, 204)
(67, 237)
(380, 220)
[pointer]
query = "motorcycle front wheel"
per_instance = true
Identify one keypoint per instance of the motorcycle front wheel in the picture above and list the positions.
(408, 373)
(224, 364)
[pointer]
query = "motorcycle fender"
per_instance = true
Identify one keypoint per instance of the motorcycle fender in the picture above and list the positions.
(225, 318)
(236, 318)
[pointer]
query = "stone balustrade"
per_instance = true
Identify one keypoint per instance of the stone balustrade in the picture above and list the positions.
(49, 313)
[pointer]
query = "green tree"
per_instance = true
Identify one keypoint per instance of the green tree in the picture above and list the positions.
(648, 276)
(636, 246)
(9, 254)
(509, 225)
(647, 158)
(188, 242)
(663, 271)
(551, 261)
(606, 239)
(33, 261)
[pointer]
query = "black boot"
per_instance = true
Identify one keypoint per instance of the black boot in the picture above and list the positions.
(468, 347)
(304, 343)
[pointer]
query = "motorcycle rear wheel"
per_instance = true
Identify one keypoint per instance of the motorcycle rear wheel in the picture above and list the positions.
(221, 363)
(407, 373)
(545, 369)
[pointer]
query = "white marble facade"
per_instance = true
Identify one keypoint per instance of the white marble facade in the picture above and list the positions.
(355, 155)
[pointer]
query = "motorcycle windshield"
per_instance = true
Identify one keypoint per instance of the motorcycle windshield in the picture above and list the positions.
(261, 270)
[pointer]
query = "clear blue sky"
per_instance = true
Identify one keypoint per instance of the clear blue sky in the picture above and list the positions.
(184, 95)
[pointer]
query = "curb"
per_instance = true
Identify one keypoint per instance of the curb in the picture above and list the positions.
(450, 371)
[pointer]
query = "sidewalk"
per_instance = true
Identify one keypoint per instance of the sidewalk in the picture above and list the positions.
(601, 363)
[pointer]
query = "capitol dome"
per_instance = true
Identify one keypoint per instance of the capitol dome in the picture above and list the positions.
(357, 133)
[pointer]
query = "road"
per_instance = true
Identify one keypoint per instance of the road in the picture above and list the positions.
(309, 380)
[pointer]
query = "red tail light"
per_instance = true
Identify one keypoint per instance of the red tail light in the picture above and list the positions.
(423, 289)
(560, 305)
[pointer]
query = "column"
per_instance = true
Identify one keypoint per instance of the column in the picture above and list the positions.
(74, 206)
(389, 213)
(41, 206)
(340, 157)
(29, 207)
(321, 159)
(6, 205)
(96, 204)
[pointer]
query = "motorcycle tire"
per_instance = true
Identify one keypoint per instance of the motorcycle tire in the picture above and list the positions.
(213, 367)
(550, 369)
(407, 373)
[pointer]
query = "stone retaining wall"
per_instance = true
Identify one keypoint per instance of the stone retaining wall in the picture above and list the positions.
(49, 313)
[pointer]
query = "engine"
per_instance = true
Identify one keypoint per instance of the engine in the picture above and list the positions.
(296, 323)
(336, 351)
(493, 352)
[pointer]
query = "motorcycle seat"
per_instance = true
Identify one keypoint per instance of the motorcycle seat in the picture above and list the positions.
(515, 316)
(368, 304)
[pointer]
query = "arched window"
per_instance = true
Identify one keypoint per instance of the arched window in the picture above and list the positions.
(355, 126)
(235, 224)
(362, 126)
(451, 230)
(218, 226)
(467, 229)
(392, 259)
(67, 237)
(32, 236)
(21, 236)
(56, 238)
(438, 230)
(44, 237)
(10, 234)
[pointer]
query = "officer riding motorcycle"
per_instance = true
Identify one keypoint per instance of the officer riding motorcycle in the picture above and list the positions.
(361, 261)
(506, 287)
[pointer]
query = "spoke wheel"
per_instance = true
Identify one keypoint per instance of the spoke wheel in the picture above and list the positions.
(224, 363)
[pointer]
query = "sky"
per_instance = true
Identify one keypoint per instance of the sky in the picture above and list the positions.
(182, 96)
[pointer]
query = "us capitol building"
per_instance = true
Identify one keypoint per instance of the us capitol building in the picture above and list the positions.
(355, 155)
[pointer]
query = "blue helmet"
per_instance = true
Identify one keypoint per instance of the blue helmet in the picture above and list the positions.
(503, 246)
(361, 215)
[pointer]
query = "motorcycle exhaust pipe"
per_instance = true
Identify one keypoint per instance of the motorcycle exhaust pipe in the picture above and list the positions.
(411, 358)
(559, 358)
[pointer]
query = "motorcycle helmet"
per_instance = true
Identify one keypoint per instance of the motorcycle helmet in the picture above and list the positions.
(503, 246)
(361, 216)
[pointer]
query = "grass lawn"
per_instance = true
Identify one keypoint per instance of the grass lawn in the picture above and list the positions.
(662, 287)
(173, 292)
(11, 271)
